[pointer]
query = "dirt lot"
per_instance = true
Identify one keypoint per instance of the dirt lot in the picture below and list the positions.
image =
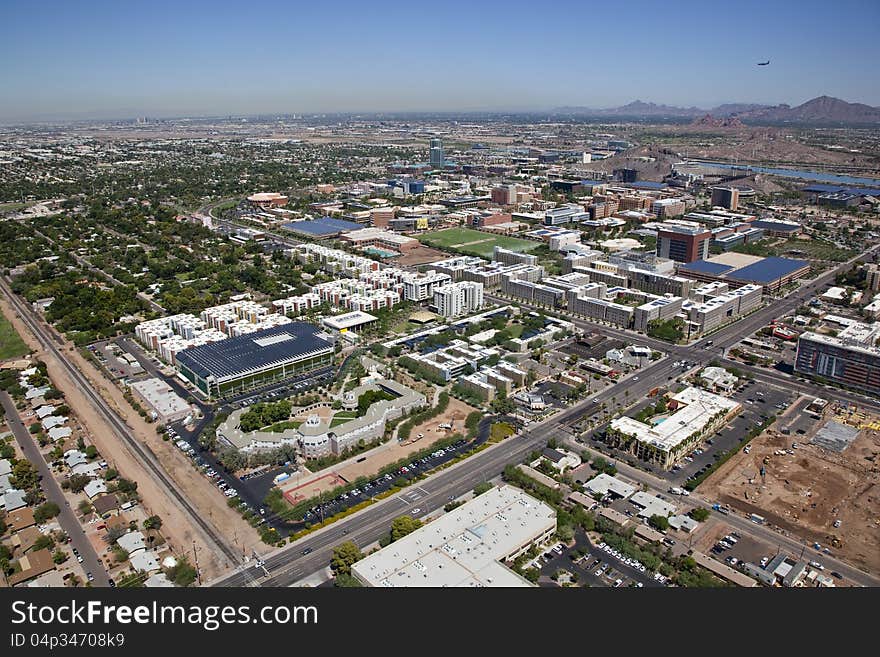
(176, 526)
(805, 492)
(420, 256)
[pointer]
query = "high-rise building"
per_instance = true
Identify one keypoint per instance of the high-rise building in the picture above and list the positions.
(457, 299)
(437, 153)
(872, 277)
(725, 197)
(683, 243)
(504, 195)
(850, 358)
(626, 175)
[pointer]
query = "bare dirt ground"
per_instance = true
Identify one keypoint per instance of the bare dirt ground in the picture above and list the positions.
(420, 256)
(304, 484)
(176, 524)
(805, 492)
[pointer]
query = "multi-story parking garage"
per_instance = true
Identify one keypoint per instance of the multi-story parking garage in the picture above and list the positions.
(248, 361)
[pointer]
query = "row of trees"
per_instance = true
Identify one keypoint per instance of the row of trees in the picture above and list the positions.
(263, 414)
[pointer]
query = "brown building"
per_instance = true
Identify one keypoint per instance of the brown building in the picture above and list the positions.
(32, 565)
(725, 197)
(20, 519)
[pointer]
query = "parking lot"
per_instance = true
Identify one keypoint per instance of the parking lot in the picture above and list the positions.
(118, 363)
(384, 482)
(758, 403)
(595, 565)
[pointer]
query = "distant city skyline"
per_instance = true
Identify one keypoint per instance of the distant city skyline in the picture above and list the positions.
(108, 60)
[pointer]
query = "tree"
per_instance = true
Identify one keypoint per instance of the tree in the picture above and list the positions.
(77, 482)
(182, 573)
(153, 522)
(482, 487)
(659, 523)
(44, 542)
(344, 556)
(85, 507)
(46, 511)
(699, 513)
(59, 556)
(91, 452)
(532, 574)
(403, 525)
(502, 404)
(24, 475)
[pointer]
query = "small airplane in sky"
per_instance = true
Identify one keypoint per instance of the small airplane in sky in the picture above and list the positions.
(767, 63)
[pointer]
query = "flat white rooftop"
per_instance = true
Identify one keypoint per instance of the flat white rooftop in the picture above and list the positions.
(604, 483)
(349, 320)
(698, 409)
(463, 547)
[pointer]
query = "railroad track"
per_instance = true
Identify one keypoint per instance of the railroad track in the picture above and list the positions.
(144, 453)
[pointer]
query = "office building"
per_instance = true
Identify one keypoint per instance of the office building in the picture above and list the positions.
(872, 277)
(505, 195)
(683, 243)
(666, 208)
(696, 414)
(437, 160)
(508, 257)
(465, 547)
(851, 358)
(161, 400)
(725, 197)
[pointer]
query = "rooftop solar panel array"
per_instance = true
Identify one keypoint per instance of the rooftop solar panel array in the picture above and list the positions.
(322, 226)
(768, 270)
(706, 267)
(254, 351)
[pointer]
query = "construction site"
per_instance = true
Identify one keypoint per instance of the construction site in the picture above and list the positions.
(819, 483)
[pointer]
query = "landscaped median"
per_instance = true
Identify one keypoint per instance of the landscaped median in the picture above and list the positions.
(276, 502)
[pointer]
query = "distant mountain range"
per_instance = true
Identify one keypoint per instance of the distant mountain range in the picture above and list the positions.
(823, 109)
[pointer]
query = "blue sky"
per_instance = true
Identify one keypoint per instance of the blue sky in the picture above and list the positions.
(157, 58)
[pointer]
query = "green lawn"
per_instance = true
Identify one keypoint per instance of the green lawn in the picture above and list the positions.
(11, 344)
(794, 248)
(475, 242)
(342, 417)
(13, 207)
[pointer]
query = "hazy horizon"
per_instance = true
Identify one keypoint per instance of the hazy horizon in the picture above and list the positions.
(102, 60)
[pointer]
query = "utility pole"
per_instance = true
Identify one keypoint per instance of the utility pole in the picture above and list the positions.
(196, 563)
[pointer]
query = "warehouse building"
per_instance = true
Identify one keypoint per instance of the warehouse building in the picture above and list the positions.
(247, 361)
(161, 401)
(465, 547)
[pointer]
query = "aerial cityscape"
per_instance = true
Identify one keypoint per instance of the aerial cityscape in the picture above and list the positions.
(468, 336)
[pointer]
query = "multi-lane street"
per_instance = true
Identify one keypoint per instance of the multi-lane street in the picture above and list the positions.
(287, 565)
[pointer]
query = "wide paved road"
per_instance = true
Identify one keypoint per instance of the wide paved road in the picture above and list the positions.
(67, 519)
(287, 565)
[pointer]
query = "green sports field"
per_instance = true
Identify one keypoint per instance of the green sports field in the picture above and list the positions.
(11, 345)
(475, 242)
